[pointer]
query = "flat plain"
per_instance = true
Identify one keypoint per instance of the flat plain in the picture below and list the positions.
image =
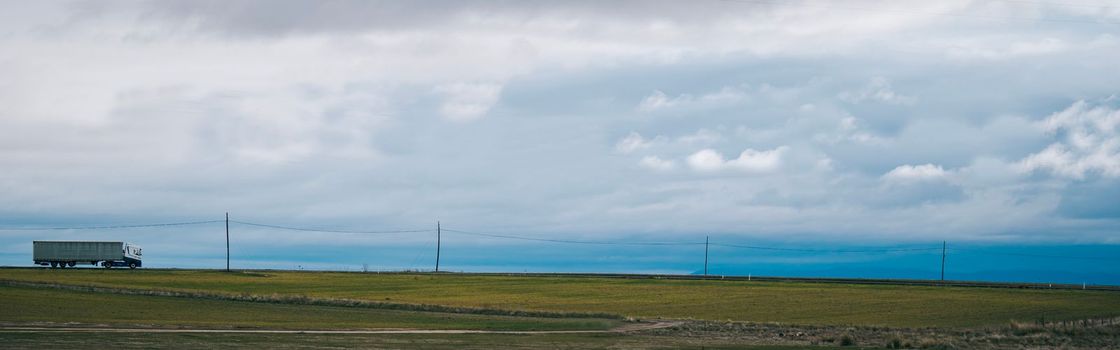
(28, 305)
(57, 340)
(148, 308)
(741, 301)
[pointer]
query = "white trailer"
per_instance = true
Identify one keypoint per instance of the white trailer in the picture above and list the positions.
(71, 253)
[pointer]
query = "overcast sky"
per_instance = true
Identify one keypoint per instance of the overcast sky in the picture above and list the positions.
(862, 121)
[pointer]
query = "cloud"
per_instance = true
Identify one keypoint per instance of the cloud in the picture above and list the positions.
(1088, 143)
(999, 47)
(750, 160)
(877, 90)
(658, 100)
(656, 163)
(634, 141)
(924, 172)
(849, 130)
(631, 143)
(468, 101)
(337, 114)
(702, 136)
(706, 160)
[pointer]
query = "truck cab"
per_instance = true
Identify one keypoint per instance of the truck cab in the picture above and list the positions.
(132, 255)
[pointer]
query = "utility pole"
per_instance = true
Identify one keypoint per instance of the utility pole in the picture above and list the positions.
(705, 255)
(943, 261)
(226, 241)
(439, 233)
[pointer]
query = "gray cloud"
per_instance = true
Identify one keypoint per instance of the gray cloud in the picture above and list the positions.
(524, 116)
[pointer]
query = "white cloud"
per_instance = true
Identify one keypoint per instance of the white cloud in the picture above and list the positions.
(706, 160)
(658, 100)
(749, 160)
(758, 161)
(849, 130)
(1089, 142)
(727, 94)
(702, 136)
(631, 143)
(468, 101)
(1001, 47)
(273, 95)
(924, 172)
(877, 90)
(656, 163)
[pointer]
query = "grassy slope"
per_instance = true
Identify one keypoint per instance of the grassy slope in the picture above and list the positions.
(803, 303)
(24, 304)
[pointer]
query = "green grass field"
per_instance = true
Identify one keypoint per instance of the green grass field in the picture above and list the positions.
(23, 305)
(797, 303)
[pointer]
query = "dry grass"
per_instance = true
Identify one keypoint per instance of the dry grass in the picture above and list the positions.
(306, 300)
(55, 306)
(788, 303)
(1081, 334)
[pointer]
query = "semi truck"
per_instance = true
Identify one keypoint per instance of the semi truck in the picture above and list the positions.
(62, 254)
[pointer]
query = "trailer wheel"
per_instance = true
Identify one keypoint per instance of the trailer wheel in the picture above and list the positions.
(54, 264)
(73, 263)
(132, 265)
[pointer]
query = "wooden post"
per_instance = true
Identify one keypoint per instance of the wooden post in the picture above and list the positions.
(705, 255)
(439, 233)
(227, 241)
(943, 261)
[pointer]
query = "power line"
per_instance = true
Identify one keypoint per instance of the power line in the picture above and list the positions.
(108, 227)
(884, 250)
(524, 238)
(420, 253)
(937, 14)
(566, 241)
(683, 243)
(983, 251)
(305, 229)
(1062, 4)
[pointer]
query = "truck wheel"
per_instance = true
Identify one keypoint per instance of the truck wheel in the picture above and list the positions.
(73, 263)
(132, 265)
(107, 265)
